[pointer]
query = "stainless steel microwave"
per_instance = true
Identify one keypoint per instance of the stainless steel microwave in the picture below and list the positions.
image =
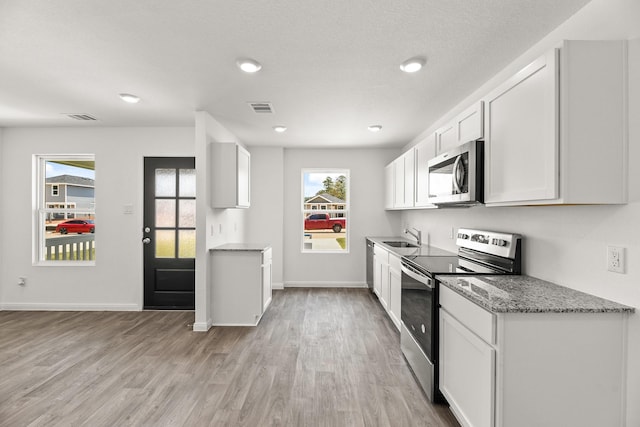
(456, 177)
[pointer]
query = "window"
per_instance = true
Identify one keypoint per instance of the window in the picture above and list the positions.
(325, 190)
(65, 220)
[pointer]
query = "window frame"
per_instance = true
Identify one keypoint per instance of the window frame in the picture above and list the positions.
(316, 209)
(41, 211)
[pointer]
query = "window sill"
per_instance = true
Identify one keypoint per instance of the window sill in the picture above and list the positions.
(64, 264)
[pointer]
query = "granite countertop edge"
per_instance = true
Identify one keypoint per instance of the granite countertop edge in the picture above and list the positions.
(526, 294)
(247, 247)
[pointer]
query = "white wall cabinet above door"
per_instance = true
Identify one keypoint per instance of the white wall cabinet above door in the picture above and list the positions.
(555, 132)
(231, 175)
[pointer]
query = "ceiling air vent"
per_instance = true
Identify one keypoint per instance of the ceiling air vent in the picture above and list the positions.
(261, 107)
(81, 117)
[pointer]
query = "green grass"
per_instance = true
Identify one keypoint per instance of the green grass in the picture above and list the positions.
(342, 241)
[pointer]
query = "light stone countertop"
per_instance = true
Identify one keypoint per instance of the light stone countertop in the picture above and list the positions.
(241, 247)
(424, 250)
(525, 294)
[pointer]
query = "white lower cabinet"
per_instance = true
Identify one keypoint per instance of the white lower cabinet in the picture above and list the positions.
(531, 369)
(386, 282)
(240, 286)
(395, 288)
(467, 378)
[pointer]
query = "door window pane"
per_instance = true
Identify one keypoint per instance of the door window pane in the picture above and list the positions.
(165, 182)
(165, 213)
(187, 213)
(165, 244)
(187, 244)
(187, 183)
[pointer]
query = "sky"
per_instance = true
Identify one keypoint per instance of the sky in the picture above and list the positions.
(56, 169)
(313, 181)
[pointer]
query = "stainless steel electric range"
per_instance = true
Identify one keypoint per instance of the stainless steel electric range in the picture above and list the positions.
(479, 253)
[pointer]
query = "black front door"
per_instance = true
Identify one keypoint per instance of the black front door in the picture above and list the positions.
(169, 234)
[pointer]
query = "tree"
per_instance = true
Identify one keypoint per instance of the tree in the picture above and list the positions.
(337, 188)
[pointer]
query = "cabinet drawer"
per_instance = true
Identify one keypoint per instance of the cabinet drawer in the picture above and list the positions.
(477, 319)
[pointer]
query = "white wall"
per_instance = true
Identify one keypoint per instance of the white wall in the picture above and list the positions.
(367, 216)
(265, 216)
(115, 282)
(567, 244)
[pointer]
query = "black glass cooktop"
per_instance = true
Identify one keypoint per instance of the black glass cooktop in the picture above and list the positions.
(432, 265)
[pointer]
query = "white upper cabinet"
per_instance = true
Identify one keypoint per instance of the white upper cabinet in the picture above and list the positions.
(447, 137)
(409, 178)
(400, 181)
(470, 123)
(467, 126)
(424, 151)
(555, 132)
(389, 189)
(231, 175)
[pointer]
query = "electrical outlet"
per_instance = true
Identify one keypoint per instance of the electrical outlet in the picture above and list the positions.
(22, 281)
(615, 259)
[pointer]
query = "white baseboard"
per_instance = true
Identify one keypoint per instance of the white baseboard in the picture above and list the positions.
(298, 284)
(69, 307)
(278, 285)
(202, 326)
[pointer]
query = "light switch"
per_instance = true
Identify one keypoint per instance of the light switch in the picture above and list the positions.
(128, 209)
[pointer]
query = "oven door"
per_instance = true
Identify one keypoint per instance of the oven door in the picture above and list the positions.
(418, 310)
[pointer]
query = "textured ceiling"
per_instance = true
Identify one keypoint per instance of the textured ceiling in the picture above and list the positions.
(330, 68)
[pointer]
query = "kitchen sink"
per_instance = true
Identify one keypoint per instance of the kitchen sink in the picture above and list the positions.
(400, 244)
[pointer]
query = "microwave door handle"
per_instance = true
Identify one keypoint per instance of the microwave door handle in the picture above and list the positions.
(456, 166)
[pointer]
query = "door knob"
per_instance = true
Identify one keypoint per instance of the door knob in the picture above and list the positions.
(146, 240)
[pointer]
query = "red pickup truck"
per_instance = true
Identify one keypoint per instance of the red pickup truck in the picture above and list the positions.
(324, 222)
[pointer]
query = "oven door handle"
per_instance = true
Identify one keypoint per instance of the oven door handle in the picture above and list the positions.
(427, 281)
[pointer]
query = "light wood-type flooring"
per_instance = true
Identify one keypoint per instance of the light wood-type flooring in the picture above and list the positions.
(320, 357)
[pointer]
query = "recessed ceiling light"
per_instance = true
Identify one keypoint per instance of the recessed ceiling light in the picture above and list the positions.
(412, 65)
(280, 128)
(375, 128)
(249, 65)
(131, 99)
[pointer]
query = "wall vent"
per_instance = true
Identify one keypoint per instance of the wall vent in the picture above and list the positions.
(261, 107)
(81, 117)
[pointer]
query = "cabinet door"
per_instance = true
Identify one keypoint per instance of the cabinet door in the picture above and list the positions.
(470, 124)
(389, 180)
(384, 285)
(424, 151)
(377, 279)
(467, 373)
(521, 135)
(267, 278)
(398, 200)
(243, 177)
(395, 287)
(409, 177)
(447, 138)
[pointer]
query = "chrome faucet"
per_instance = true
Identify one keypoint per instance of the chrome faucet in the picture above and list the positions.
(417, 234)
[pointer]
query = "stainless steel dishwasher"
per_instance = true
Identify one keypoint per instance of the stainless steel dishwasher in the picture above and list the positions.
(370, 265)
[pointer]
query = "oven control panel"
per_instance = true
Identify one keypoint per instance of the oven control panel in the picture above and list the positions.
(501, 244)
